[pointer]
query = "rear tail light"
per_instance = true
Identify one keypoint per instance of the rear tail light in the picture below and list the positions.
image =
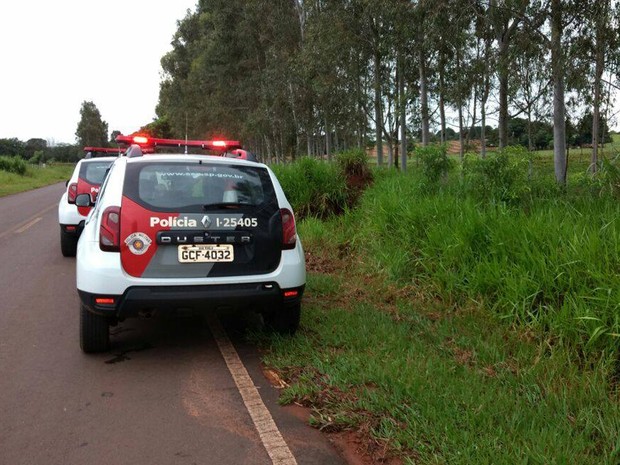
(289, 231)
(110, 230)
(72, 192)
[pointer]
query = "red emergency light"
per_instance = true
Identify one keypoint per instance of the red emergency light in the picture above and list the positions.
(141, 140)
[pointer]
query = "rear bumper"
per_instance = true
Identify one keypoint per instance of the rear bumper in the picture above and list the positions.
(201, 298)
(73, 229)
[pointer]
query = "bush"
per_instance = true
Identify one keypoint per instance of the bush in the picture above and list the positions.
(38, 157)
(434, 162)
(501, 176)
(15, 165)
(354, 163)
(313, 187)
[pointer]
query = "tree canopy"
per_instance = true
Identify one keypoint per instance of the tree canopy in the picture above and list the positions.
(91, 129)
(293, 77)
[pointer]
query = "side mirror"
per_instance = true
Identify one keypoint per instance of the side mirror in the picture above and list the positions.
(67, 182)
(84, 200)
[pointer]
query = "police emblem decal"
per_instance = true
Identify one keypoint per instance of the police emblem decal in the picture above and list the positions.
(138, 243)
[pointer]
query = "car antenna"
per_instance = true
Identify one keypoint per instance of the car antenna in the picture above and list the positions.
(185, 133)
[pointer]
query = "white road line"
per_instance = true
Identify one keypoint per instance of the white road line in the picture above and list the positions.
(267, 430)
(27, 222)
(27, 225)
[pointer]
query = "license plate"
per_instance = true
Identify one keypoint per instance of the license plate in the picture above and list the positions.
(201, 253)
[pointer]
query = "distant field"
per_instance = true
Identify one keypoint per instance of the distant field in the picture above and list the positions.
(35, 177)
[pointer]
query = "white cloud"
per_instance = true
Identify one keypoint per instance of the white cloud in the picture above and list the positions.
(57, 54)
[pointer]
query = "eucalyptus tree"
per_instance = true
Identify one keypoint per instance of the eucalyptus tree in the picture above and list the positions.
(483, 65)
(376, 30)
(372, 47)
(423, 44)
(504, 17)
(600, 39)
(442, 21)
(456, 65)
(565, 18)
(334, 62)
(533, 89)
(226, 76)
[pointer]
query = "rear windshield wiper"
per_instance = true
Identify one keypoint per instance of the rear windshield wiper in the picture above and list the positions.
(210, 206)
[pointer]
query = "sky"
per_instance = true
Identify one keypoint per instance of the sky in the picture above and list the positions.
(56, 54)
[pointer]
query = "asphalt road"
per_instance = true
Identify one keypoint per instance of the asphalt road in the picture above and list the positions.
(164, 394)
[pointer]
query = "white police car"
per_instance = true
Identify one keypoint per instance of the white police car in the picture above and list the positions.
(173, 231)
(86, 179)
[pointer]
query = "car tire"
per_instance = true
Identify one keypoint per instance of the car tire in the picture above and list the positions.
(94, 331)
(284, 320)
(68, 243)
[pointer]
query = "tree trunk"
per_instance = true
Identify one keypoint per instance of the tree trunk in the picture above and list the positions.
(328, 142)
(442, 104)
(503, 106)
(390, 152)
(461, 140)
(483, 131)
(403, 115)
(598, 76)
(389, 137)
(299, 7)
(486, 90)
(378, 109)
(559, 105)
(530, 142)
(470, 131)
(424, 97)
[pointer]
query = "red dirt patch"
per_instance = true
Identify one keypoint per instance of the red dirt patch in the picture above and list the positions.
(356, 447)
(358, 451)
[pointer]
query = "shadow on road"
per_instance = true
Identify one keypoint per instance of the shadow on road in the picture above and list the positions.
(173, 332)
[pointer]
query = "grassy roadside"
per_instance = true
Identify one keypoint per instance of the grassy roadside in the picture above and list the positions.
(430, 378)
(35, 177)
(437, 383)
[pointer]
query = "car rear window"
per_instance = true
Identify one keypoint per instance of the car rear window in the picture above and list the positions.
(94, 171)
(194, 186)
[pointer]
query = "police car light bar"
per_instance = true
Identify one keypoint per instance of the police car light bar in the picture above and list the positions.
(92, 152)
(102, 149)
(146, 141)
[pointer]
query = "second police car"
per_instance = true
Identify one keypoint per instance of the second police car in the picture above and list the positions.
(172, 231)
(86, 179)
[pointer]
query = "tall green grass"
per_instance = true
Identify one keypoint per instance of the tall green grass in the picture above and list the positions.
(552, 262)
(314, 188)
(320, 190)
(486, 232)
